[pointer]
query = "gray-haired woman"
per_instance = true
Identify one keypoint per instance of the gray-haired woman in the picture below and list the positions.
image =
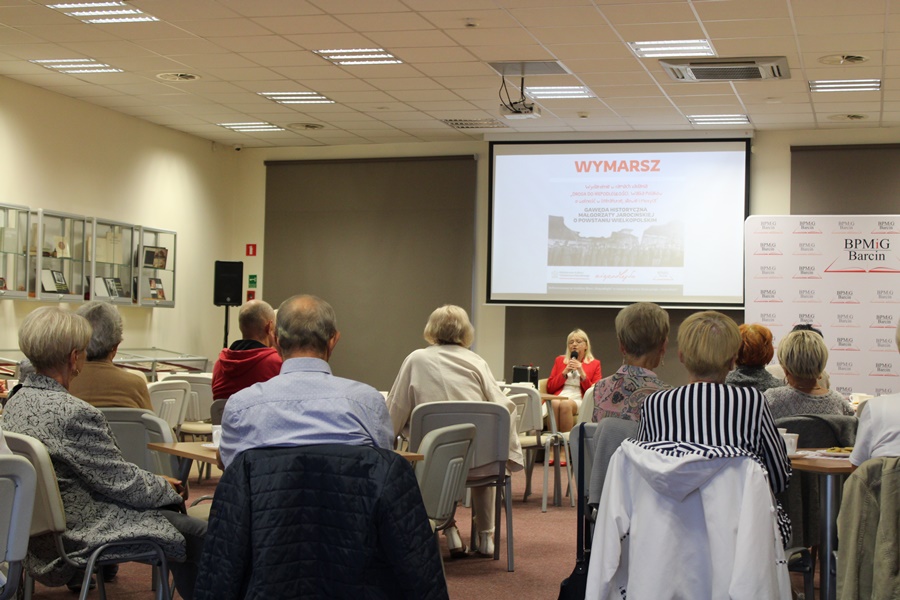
(101, 383)
(106, 498)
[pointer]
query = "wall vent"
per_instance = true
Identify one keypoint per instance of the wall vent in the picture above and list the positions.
(727, 69)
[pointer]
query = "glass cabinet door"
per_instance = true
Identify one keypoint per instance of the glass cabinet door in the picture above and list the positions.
(59, 269)
(110, 249)
(14, 225)
(154, 281)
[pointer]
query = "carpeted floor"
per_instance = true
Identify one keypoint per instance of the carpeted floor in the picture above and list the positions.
(544, 555)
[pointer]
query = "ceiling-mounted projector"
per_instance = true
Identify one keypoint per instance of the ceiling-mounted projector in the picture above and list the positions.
(520, 110)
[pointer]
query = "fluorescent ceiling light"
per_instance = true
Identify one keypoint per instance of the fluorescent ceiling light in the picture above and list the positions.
(559, 91)
(718, 119)
(103, 12)
(252, 126)
(297, 97)
(76, 66)
(84, 5)
(359, 56)
(671, 48)
(845, 85)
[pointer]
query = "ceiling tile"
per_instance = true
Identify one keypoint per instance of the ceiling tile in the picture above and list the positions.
(727, 10)
(634, 14)
(223, 27)
(396, 40)
(255, 43)
(560, 16)
(661, 31)
(317, 24)
(406, 21)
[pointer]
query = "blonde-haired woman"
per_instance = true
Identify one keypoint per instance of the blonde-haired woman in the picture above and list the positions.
(572, 374)
(643, 333)
(447, 371)
(803, 355)
(707, 411)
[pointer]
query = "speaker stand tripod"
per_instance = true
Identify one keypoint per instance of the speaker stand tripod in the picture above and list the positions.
(225, 343)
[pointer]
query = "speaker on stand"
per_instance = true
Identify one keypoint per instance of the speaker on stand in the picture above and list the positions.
(229, 278)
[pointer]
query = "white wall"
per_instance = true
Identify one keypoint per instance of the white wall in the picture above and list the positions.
(63, 154)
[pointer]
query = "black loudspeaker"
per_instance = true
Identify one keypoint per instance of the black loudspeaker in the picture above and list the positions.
(228, 285)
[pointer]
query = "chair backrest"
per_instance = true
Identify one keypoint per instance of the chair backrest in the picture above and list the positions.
(201, 384)
(608, 436)
(179, 392)
(728, 496)
(442, 474)
(158, 431)
(821, 431)
(17, 487)
(130, 433)
(48, 515)
(586, 412)
(528, 409)
(587, 457)
(133, 429)
(491, 422)
(216, 411)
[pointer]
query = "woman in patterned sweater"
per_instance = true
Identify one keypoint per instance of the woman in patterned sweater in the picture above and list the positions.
(803, 355)
(106, 498)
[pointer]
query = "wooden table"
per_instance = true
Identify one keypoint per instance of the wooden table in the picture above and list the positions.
(830, 471)
(191, 451)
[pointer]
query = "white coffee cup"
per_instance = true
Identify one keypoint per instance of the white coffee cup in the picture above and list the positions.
(790, 442)
(782, 431)
(216, 435)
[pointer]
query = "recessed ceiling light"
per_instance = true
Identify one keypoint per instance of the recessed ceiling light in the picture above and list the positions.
(843, 59)
(718, 119)
(845, 85)
(177, 77)
(76, 66)
(305, 126)
(359, 56)
(103, 12)
(252, 126)
(672, 48)
(850, 117)
(297, 97)
(559, 91)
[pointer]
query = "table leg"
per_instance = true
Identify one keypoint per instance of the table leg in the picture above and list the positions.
(185, 470)
(829, 503)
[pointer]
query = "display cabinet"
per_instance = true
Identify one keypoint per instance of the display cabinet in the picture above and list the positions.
(111, 248)
(154, 361)
(154, 264)
(15, 222)
(57, 248)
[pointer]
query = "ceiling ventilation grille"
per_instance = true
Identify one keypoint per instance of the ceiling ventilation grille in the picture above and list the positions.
(727, 69)
(475, 123)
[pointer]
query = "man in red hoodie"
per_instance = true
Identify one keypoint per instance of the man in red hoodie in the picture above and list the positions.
(252, 359)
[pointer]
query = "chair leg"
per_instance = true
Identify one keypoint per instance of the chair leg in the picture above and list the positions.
(568, 448)
(507, 494)
(498, 497)
(530, 456)
(28, 585)
(546, 475)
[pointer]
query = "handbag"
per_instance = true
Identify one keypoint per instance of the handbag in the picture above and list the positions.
(573, 587)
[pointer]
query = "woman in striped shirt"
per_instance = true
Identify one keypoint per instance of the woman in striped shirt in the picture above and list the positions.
(709, 412)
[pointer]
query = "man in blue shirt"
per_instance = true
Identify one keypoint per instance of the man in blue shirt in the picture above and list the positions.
(305, 404)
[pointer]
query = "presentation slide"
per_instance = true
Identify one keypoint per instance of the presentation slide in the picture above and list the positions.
(615, 223)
